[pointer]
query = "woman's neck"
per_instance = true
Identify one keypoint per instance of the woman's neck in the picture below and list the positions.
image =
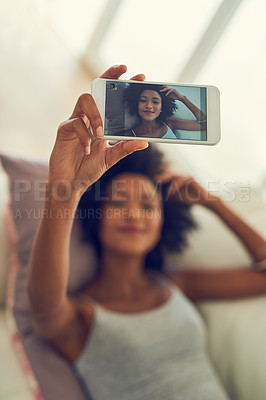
(122, 276)
(150, 129)
(149, 126)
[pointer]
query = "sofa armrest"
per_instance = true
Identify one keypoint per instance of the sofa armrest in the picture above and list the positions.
(4, 239)
(14, 383)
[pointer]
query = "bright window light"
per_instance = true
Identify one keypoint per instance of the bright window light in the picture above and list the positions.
(237, 66)
(75, 21)
(158, 39)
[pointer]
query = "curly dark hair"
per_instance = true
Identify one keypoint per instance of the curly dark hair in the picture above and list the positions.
(132, 94)
(177, 221)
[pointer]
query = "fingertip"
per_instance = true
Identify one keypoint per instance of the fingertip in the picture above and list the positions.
(139, 77)
(114, 72)
(146, 144)
(141, 145)
(123, 66)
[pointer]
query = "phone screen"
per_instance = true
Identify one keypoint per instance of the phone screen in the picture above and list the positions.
(155, 110)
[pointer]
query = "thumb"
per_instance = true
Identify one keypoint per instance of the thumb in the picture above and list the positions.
(123, 149)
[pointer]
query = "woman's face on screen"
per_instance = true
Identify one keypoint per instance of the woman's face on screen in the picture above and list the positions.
(149, 105)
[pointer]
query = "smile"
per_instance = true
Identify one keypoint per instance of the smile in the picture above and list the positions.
(132, 230)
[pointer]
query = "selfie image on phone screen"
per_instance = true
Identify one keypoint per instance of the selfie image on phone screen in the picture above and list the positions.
(155, 111)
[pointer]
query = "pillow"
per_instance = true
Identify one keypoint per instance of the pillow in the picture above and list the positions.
(27, 180)
(224, 249)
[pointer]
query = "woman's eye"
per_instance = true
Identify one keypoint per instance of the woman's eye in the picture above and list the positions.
(149, 207)
(142, 101)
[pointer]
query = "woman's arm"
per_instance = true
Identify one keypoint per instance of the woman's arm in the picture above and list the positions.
(250, 238)
(185, 124)
(209, 283)
(47, 273)
(48, 269)
(78, 159)
(228, 283)
(221, 284)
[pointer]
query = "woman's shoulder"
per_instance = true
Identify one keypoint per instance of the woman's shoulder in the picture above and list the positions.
(176, 278)
(172, 122)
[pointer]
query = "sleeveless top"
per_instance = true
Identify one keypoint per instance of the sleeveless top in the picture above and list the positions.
(168, 135)
(150, 355)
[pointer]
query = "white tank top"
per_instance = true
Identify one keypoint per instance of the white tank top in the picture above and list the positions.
(168, 135)
(150, 355)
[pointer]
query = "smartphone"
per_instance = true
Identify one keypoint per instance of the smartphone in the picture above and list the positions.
(158, 111)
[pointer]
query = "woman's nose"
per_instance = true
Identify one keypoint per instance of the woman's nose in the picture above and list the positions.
(133, 212)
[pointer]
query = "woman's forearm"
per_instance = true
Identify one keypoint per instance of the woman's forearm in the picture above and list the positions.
(200, 115)
(251, 239)
(189, 124)
(48, 268)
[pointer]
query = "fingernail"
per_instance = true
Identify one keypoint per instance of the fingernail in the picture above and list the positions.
(119, 65)
(99, 131)
(87, 150)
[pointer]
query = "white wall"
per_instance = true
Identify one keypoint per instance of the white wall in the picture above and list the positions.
(40, 80)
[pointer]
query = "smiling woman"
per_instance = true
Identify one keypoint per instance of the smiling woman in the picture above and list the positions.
(153, 106)
(130, 215)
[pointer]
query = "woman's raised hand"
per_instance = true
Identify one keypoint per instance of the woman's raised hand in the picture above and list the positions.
(172, 93)
(186, 189)
(80, 156)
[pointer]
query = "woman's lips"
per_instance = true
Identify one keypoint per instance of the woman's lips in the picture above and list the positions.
(131, 229)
